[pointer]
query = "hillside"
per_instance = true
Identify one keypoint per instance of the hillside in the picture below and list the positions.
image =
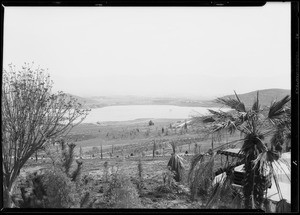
(265, 96)
(87, 102)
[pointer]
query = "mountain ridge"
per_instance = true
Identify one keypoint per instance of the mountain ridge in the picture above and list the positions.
(266, 96)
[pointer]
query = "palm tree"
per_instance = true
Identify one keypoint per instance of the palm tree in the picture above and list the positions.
(255, 124)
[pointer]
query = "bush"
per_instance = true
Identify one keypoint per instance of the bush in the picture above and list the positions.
(60, 191)
(58, 186)
(121, 193)
(47, 189)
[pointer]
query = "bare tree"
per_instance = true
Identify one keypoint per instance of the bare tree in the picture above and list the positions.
(31, 117)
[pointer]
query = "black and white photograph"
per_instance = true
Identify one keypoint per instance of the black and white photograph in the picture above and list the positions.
(147, 107)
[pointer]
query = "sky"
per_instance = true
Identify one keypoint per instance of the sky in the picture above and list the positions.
(153, 51)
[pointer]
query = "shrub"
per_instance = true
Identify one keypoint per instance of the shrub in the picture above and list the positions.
(60, 191)
(50, 188)
(151, 123)
(168, 182)
(58, 186)
(169, 186)
(121, 193)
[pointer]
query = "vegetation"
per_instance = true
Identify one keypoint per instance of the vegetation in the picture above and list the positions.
(169, 182)
(57, 186)
(176, 165)
(266, 96)
(31, 117)
(122, 193)
(255, 124)
(144, 179)
(140, 175)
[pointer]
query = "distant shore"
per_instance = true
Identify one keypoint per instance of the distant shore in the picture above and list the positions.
(134, 121)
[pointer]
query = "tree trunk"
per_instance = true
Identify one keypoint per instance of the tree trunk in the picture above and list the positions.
(248, 181)
(7, 202)
(7, 193)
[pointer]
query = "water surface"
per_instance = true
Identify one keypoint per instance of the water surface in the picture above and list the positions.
(132, 112)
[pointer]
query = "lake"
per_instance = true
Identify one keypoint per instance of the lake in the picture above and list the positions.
(132, 112)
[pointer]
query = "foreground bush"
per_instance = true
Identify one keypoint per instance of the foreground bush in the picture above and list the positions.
(58, 186)
(122, 193)
(48, 189)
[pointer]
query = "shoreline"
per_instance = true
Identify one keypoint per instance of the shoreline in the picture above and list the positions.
(138, 120)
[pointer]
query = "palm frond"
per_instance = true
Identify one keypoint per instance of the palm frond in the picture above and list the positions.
(198, 158)
(176, 165)
(277, 108)
(202, 177)
(256, 105)
(214, 196)
(214, 112)
(208, 119)
(173, 146)
(231, 126)
(232, 103)
(199, 119)
(219, 126)
(278, 137)
(236, 96)
(221, 115)
(264, 160)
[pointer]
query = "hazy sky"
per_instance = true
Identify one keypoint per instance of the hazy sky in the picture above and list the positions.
(153, 51)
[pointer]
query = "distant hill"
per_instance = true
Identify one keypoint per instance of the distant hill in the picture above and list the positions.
(265, 96)
(87, 102)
